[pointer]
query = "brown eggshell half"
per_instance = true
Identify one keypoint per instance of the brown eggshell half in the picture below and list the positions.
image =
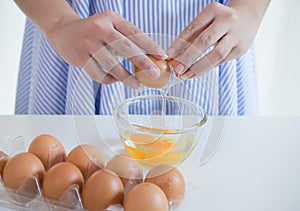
(160, 82)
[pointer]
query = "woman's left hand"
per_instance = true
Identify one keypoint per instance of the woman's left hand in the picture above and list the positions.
(229, 30)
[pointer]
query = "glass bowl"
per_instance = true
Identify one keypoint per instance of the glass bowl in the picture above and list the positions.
(159, 130)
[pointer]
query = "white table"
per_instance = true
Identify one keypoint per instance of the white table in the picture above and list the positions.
(256, 167)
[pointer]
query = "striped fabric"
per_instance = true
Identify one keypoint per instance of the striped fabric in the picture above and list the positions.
(48, 85)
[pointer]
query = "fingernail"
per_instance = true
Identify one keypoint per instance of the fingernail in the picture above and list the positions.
(189, 74)
(162, 53)
(179, 68)
(171, 52)
(154, 72)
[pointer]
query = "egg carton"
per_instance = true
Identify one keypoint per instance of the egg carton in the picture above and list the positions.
(30, 197)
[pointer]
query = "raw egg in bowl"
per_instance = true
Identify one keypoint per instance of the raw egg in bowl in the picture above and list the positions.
(159, 130)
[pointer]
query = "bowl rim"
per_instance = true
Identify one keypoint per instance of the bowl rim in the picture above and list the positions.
(168, 131)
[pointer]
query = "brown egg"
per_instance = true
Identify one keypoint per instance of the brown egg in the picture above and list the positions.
(20, 167)
(169, 179)
(128, 169)
(154, 83)
(87, 158)
(146, 197)
(3, 160)
(59, 178)
(102, 189)
(48, 149)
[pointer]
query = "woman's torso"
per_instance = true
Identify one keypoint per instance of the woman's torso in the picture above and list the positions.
(163, 20)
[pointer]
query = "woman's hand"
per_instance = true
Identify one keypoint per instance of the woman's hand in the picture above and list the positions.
(94, 43)
(229, 30)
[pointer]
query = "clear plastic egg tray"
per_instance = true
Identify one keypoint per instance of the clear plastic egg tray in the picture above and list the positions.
(29, 196)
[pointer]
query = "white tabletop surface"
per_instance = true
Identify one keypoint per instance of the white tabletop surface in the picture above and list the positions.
(256, 166)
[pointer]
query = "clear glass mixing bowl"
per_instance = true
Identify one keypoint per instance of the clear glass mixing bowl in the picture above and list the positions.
(156, 129)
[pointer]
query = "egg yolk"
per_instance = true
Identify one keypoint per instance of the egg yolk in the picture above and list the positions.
(151, 150)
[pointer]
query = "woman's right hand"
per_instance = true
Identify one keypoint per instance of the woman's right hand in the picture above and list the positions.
(94, 43)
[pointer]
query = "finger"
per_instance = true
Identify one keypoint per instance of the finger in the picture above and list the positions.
(206, 39)
(126, 48)
(96, 73)
(189, 74)
(114, 68)
(212, 59)
(199, 24)
(139, 38)
(234, 53)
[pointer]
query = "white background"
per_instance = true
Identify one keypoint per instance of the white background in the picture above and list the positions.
(277, 45)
